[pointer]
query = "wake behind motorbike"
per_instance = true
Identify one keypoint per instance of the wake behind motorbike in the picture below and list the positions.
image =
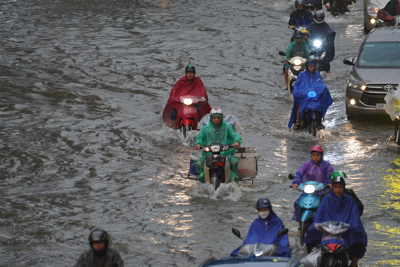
(332, 252)
(297, 65)
(308, 204)
(322, 51)
(188, 116)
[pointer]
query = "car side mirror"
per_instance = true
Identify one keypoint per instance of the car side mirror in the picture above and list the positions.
(349, 60)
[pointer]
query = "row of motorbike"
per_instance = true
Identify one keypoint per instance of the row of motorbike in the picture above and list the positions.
(335, 7)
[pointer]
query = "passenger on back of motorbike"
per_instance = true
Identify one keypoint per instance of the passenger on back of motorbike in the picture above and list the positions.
(296, 48)
(218, 131)
(317, 169)
(306, 79)
(265, 229)
(187, 85)
(339, 206)
(319, 29)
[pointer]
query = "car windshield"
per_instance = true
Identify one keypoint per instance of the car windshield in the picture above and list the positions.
(380, 54)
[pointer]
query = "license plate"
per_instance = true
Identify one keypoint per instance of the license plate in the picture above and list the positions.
(380, 106)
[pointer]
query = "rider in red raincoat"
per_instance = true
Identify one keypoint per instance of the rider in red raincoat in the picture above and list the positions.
(187, 85)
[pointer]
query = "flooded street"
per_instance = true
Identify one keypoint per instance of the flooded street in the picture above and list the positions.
(83, 143)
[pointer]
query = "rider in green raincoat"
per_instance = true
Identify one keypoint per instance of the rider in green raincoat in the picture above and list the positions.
(218, 131)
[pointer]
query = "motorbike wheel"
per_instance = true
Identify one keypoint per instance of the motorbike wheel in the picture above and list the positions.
(334, 260)
(313, 127)
(397, 136)
(185, 130)
(303, 230)
(215, 182)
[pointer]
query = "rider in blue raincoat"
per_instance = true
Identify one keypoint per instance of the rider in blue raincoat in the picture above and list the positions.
(308, 83)
(337, 205)
(265, 229)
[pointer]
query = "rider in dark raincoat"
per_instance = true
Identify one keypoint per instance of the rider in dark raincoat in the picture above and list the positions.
(265, 228)
(222, 133)
(339, 206)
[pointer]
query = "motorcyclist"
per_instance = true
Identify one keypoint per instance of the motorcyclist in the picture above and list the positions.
(265, 229)
(319, 29)
(306, 36)
(339, 206)
(100, 254)
(306, 79)
(317, 169)
(187, 85)
(300, 16)
(218, 131)
(296, 48)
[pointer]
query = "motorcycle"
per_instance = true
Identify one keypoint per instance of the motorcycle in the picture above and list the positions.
(259, 249)
(188, 117)
(308, 204)
(392, 108)
(314, 102)
(332, 252)
(297, 65)
(322, 51)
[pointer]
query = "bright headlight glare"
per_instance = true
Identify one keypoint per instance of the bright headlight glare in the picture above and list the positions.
(297, 62)
(352, 101)
(187, 101)
(372, 21)
(317, 43)
(206, 149)
(363, 87)
(215, 148)
(309, 189)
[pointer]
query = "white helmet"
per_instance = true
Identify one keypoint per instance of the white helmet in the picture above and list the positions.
(216, 111)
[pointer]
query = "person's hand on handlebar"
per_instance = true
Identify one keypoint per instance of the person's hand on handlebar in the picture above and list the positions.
(236, 145)
(294, 186)
(198, 147)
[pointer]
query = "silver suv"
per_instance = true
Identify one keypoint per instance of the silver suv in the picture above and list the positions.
(375, 71)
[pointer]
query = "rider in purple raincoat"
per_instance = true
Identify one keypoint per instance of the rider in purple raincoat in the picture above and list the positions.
(317, 169)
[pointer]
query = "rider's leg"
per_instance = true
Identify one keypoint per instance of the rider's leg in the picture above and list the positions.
(286, 78)
(173, 119)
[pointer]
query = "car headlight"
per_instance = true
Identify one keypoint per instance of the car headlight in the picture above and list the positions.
(372, 9)
(356, 85)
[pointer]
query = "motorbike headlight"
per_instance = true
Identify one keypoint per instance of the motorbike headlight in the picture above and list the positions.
(309, 189)
(372, 9)
(206, 149)
(215, 148)
(317, 43)
(187, 101)
(356, 85)
(297, 62)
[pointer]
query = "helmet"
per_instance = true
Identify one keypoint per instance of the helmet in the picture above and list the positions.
(263, 203)
(338, 174)
(190, 68)
(99, 235)
(216, 111)
(305, 32)
(319, 14)
(317, 148)
(339, 180)
(298, 34)
(298, 2)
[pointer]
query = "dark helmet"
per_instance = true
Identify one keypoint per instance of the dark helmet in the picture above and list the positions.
(99, 235)
(263, 203)
(298, 2)
(316, 148)
(190, 68)
(319, 14)
(298, 34)
(338, 180)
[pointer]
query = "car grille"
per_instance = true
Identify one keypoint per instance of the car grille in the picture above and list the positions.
(375, 94)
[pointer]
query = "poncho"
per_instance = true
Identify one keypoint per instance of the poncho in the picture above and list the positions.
(265, 231)
(341, 209)
(184, 86)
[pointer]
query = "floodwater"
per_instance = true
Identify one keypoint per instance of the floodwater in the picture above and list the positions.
(83, 144)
